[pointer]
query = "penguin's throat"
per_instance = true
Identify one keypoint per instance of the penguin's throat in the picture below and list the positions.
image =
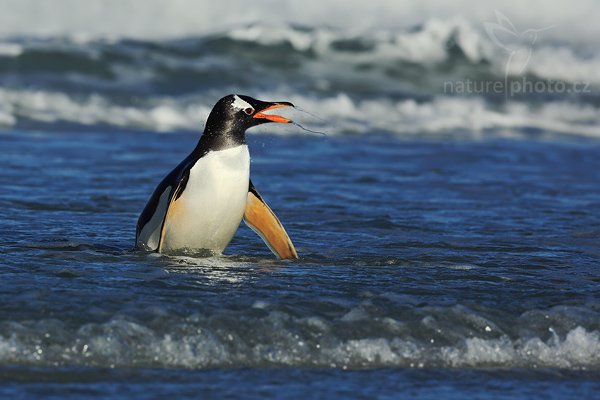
(221, 140)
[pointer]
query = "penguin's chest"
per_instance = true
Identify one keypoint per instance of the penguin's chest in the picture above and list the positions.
(209, 211)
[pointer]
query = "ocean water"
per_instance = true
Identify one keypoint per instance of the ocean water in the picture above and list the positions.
(448, 241)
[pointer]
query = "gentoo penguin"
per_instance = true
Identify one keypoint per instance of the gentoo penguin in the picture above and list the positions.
(198, 207)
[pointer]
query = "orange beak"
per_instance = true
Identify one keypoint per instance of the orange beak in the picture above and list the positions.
(274, 118)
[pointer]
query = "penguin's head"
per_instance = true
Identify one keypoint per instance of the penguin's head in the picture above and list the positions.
(235, 113)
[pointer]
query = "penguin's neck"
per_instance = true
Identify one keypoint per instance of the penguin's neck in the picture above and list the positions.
(220, 138)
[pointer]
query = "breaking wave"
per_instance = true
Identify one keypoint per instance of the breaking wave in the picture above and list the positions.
(449, 337)
(398, 80)
(338, 114)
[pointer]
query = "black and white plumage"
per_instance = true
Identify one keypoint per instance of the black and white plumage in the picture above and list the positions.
(199, 205)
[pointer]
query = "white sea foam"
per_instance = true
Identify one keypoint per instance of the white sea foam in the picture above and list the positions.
(560, 62)
(10, 49)
(427, 44)
(160, 114)
(6, 117)
(579, 347)
(442, 115)
(451, 114)
(431, 43)
(278, 339)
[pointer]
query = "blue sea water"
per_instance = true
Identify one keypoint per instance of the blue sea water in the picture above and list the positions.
(467, 264)
(448, 243)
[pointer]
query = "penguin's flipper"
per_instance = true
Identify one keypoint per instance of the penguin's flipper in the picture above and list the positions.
(172, 207)
(262, 220)
(149, 232)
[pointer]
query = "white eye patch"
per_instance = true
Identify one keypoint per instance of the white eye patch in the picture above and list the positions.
(240, 104)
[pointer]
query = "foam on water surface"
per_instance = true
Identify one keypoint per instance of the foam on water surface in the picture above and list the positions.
(280, 339)
(336, 115)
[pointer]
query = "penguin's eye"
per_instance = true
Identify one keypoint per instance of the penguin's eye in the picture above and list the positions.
(249, 110)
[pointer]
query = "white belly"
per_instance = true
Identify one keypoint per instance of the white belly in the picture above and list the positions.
(208, 213)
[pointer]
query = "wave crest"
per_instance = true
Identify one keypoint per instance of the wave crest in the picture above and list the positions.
(340, 114)
(265, 338)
